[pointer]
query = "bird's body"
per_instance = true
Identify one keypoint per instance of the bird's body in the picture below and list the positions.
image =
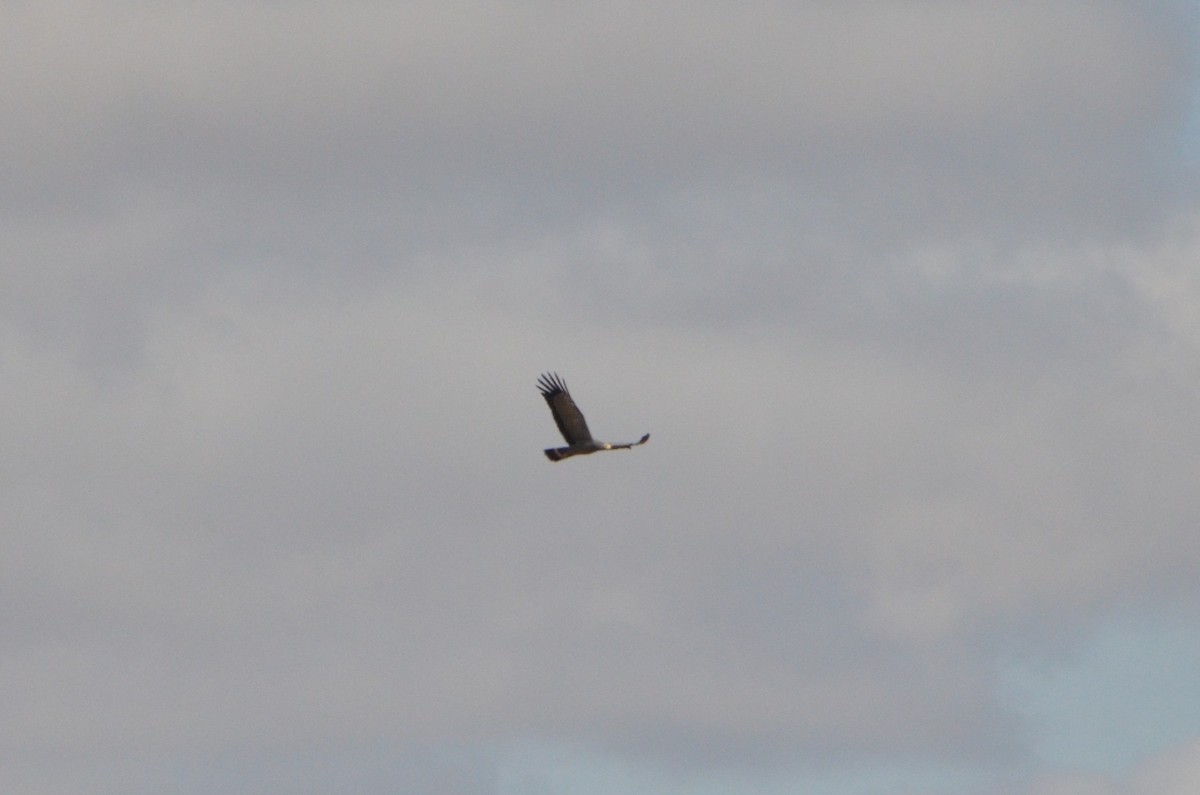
(571, 423)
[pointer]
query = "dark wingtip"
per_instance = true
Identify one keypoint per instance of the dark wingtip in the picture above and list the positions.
(550, 383)
(644, 439)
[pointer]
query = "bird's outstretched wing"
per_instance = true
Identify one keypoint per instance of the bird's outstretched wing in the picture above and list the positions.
(631, 445)
(567, 415)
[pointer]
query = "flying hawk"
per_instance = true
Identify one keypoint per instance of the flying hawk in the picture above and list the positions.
(571, 423)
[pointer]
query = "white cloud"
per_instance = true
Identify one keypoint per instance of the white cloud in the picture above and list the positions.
(1174, 771)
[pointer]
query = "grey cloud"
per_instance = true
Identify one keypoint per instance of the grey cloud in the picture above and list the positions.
(903, 293)
(1029, 101)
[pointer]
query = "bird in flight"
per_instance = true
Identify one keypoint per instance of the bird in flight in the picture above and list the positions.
(571, 423)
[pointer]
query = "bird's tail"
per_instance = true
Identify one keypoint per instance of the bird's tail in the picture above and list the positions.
(559, 453)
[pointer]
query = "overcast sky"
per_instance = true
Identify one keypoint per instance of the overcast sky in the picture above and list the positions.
(906, 292)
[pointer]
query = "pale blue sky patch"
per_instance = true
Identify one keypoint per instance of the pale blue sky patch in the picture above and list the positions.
(1128, 692)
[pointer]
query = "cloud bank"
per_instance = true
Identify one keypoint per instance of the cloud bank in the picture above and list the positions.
(904, 292)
